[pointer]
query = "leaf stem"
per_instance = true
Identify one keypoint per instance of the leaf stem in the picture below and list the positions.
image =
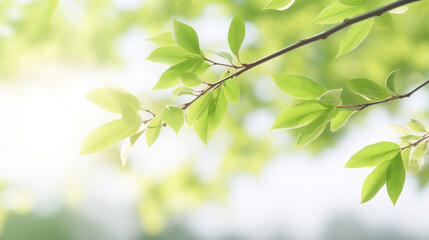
(424, 137)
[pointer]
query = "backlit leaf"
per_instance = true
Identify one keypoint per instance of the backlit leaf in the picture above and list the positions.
(231, 90)
(103, 100)
(153, 130)
(107, 135)
(355, 36)
(299, 86)
(163, 39)
(169, 55)
(127, 147)
(368, 89)
(395, 178)
(416, 126)
(331, 98)
(171, 77)
(373, 183)
(390, 82)
(173, 117)
(337, 12)
(314, 129)
(186, 37)
(341, 119)
(299, 115)
(190, 79)
(236, 34)
(373, 155)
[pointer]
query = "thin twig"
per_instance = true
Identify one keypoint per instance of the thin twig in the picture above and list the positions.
(222, 64)
(365, 105)
(424, 137)
(321, 36)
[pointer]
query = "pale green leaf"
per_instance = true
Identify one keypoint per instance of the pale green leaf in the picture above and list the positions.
(180, 91)
(368, 89)
(130, 116)
(399, 10)
(236, 34)
(279, 4)
(331, 98)
(340, 120)
(355, 36)
(103, 100)
(337, 12)
(107, 135)
(390, 82)
(171, 77)
(186, 37)
(127, 147)
(169, 55)
(299, 86)
(163, 39)
(399, 130)
(299, 115)
(217, 111)
(231, 90)
(373, 155)
(395, 178)
(223, 55)
(384, 21)
(405, 155)
(153, 130)
(52, 7)
(173, 117)
(313, 130)
(190, 79)
(417, 126)
(122, 96)
(373, 183)
(201, 104)
(201, 125)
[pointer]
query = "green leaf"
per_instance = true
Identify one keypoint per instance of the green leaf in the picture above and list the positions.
(163, 39)
(173, 117)
(169, 55)
(217, 110)
(153, 130)
(416, 126)
(299, 115)
(337, 12)
(352, 2)
(231, 90)
(373, 155)
(127, 147)
(122, 96)
(223, 55)
(190, 79)
(355, 36)
(399, 130)
(186, 37)
(331, 98)
(130, 116)
(103, 100)
(341, 120)
(279, 4)
(313, 130)
(211, 115)
(405, 155)
(180, 91)
(373, 183)
(170, 78)
(201, 104)
(384, 21)
(390, 82)
(236, 33)
(395, 178)
(299, 86)
(107, 135)
(52, 7)
(368, 89)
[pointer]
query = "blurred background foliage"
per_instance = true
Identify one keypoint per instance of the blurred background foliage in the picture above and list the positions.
(88, 33)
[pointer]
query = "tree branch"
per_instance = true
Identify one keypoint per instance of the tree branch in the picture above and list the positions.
(424, 137)
(321, 36)
(365, 105)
